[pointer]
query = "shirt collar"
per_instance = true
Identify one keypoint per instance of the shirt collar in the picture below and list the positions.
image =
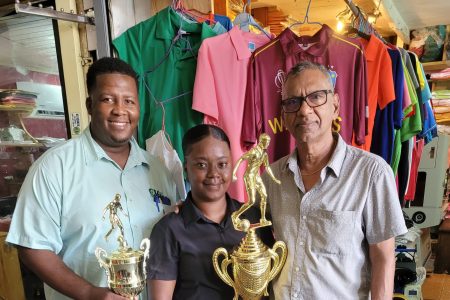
(168, 21)
(290, 41)
(93, 152)
(335, 163)
(239, 43)
(371, 47)
(191, 214)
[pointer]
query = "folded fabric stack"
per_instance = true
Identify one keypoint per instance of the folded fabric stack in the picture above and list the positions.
(441, 105)
(444, 74)
(17, 100)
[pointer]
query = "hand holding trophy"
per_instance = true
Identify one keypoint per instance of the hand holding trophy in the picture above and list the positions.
(254, 265)
(125, 267)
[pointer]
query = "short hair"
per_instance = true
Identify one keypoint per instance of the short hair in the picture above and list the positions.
(200, 132)
(307, 65)
(108, 65)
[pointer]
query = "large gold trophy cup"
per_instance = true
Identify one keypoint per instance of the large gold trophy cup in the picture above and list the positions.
(125, 267)
(253, 264)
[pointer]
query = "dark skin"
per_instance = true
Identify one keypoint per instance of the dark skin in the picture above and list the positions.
(114, 108)
(208, 167)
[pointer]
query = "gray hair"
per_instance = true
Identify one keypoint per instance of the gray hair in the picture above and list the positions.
(307, 65)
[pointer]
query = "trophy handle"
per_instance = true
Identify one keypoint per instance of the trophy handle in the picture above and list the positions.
(222, 270)
(145, 246)
(100, 253)
(278, 259)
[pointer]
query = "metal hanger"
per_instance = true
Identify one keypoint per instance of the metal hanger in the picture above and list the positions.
(244, 20)
(306, 19)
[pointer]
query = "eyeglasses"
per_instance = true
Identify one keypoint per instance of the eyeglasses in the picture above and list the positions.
(313, 99)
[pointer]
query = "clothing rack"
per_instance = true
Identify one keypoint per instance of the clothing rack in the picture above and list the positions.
(358, 14)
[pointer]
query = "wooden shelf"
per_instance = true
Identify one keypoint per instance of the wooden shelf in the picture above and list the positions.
(19, 144)
(438, 79)
(436, 65)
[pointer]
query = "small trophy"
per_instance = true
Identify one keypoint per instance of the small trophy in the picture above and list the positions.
(125, 267)
(254, 265)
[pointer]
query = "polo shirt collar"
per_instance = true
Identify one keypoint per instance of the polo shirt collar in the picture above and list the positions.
(290, 42)
(370, 47)
(168, 21)
(93, 152)
(191, 214)
(239, 43)
(335, 163)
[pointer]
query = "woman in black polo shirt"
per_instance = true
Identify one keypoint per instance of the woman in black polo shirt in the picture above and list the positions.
(180, 264)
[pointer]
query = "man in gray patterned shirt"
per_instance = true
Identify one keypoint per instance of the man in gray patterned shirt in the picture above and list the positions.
(337, 208)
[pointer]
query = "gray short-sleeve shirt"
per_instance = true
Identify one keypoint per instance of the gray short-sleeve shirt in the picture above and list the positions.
(329, 228)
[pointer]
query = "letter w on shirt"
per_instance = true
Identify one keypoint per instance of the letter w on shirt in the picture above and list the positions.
(277, 125)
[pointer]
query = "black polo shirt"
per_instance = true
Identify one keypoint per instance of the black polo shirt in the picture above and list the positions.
(182, 246)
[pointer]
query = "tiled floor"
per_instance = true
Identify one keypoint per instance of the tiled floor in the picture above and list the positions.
(436, 287)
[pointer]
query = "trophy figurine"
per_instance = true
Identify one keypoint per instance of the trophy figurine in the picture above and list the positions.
(253, 264)
(125, 267)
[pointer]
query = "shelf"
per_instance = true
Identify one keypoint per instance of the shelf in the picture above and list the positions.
(436, 65)
(20, 144)
(438, 79)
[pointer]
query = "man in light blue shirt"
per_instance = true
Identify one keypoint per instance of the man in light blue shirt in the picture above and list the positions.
(57, 223)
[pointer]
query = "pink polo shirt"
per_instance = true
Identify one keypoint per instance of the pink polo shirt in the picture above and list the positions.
(219, 89)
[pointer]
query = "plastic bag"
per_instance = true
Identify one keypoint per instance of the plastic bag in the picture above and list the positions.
(159, 146)
(428, 42)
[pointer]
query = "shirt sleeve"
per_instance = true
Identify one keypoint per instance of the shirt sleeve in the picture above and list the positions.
(361, 100)
(128, 47)
(386, 91)
(205, 96)
(249, 124)
(163, 258)
(383, 217)
(36, 222)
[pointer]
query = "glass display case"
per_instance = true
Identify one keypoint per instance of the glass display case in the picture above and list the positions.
(32, 115)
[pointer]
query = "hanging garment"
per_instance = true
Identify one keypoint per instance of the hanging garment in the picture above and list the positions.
(268, 68)
(219, 89)
(380, 82)
(417, 154)
(163, 50)
(412, 123)
(159, 146)
(389, 118)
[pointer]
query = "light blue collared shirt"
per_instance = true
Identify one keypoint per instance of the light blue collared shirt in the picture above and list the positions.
(61, 204)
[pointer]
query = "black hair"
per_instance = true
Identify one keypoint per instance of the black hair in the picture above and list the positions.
(307, 65)
(108, 65)
(199, 132)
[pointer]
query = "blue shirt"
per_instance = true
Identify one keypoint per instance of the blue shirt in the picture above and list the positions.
(63, 197)
(389, 118)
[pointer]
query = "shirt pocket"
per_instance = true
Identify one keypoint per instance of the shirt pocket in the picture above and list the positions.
(331, 232)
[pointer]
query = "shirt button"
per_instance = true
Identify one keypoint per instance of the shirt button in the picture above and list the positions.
(304, 217)
(297, 269)
(301, 243)
(295, 295)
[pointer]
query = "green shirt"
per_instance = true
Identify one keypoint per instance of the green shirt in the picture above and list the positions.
(166, 74)
(411, 125)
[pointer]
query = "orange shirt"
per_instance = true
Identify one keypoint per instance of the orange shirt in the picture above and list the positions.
(380, 81)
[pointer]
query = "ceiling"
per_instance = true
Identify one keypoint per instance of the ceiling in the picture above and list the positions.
(27, 43)
(414, 13)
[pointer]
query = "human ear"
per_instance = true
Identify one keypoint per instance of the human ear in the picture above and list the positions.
(89, 105)
(336, 105)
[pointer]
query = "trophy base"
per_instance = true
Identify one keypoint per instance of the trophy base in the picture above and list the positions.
(128, 290)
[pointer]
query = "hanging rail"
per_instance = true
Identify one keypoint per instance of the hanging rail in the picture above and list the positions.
(49, 12)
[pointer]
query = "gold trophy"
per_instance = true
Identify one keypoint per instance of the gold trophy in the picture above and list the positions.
(125, 267)
(254, 265)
